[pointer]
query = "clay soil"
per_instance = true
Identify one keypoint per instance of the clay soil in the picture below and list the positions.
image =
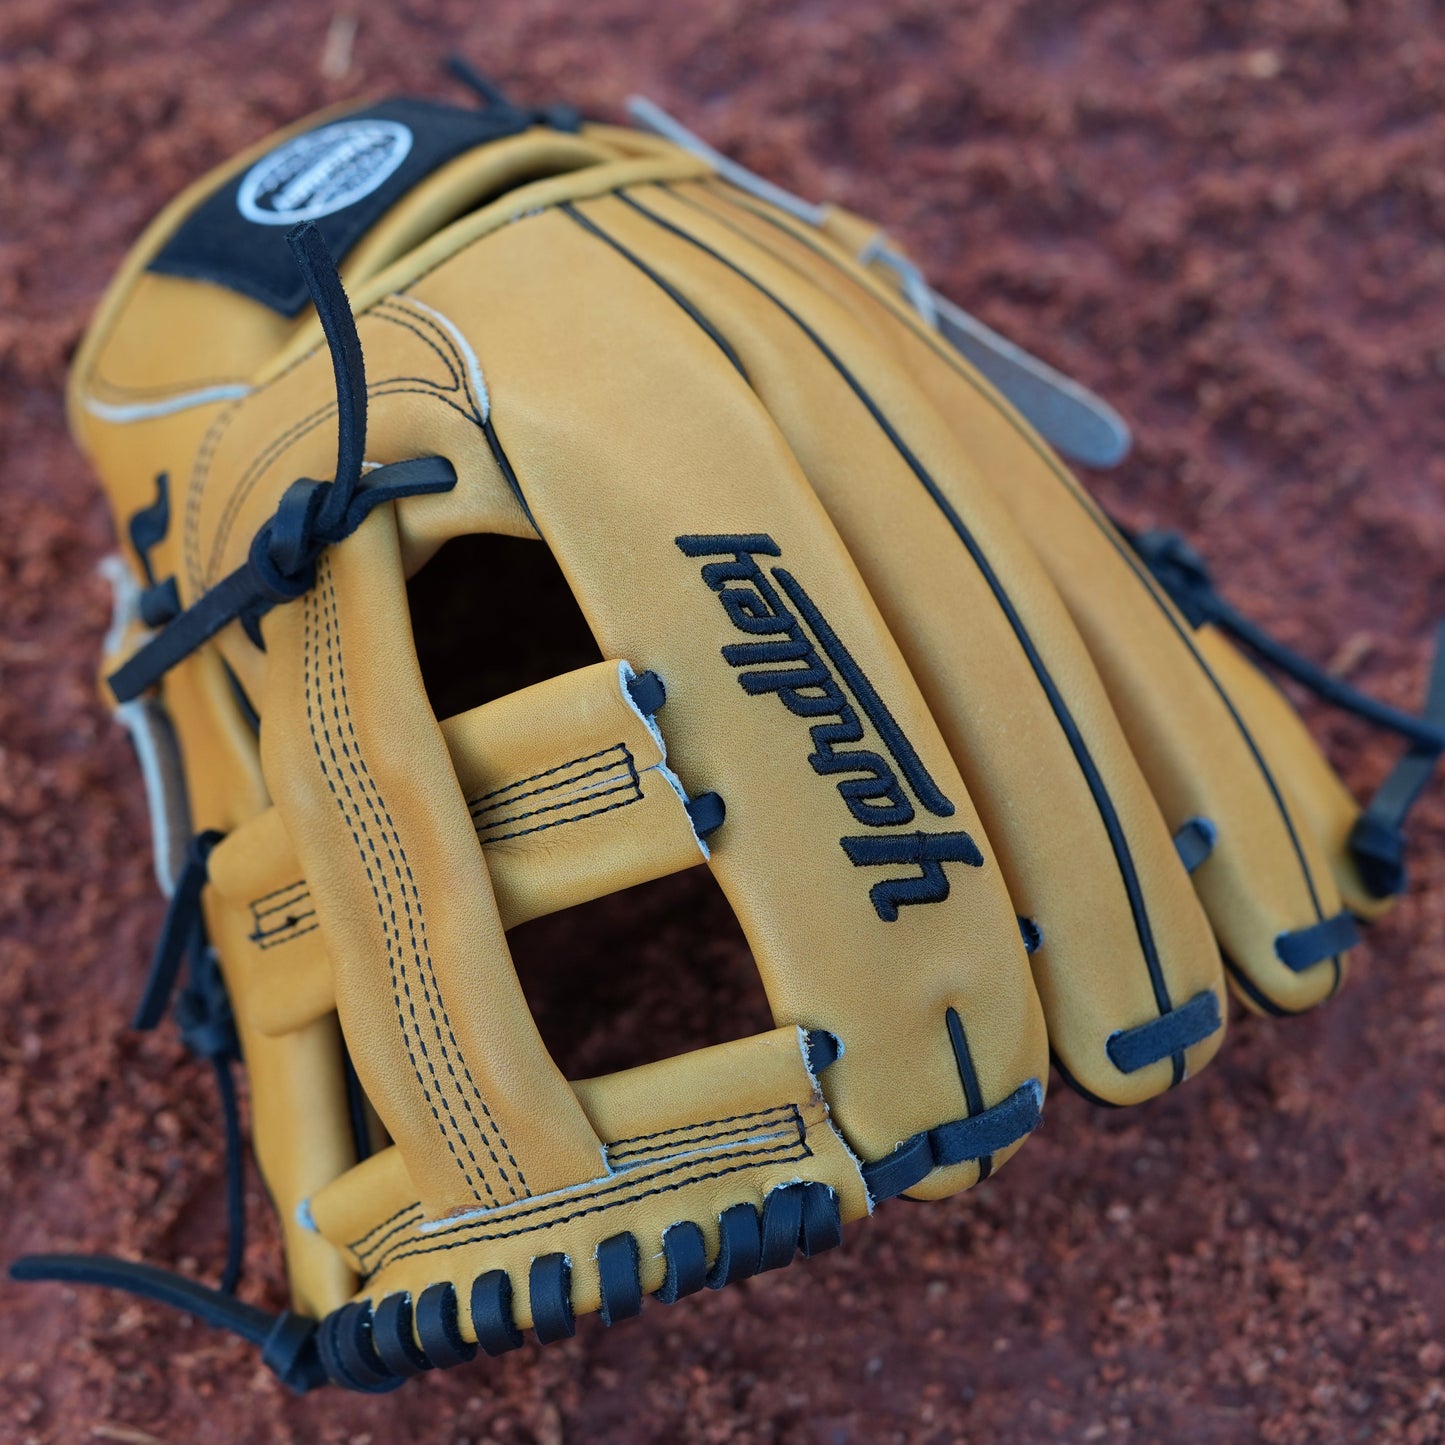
(1227, 217)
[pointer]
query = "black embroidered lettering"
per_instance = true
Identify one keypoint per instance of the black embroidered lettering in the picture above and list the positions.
(793, 653)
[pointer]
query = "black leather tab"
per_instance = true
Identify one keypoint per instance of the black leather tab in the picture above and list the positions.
(497, 1332)
(342, 176)
(740, 1246)
(822, 1221)
(436, 1327)
(685, 1251)
(551, 1289)
(782, 1226)
(619, 1271)
(392, 1338)
(1328, 938)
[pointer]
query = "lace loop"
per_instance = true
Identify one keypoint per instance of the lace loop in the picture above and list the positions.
(280, 565)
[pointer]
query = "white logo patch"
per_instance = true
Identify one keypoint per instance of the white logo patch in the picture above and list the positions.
(322, 172)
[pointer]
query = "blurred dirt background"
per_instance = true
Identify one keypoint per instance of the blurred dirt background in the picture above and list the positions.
(1229, 218)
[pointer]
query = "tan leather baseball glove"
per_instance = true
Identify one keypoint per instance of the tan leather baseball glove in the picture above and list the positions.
(983, 778)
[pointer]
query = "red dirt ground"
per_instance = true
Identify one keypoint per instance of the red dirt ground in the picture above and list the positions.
(1228, 217)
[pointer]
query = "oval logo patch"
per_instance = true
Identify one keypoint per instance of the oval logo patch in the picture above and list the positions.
(322, 172)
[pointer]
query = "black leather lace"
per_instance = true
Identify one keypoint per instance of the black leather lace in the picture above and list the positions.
(1377, 841)
(312, 515)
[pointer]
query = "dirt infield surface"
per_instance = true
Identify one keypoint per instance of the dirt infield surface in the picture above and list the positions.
(1229, 218)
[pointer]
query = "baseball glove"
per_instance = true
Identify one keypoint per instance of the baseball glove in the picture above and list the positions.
(981, 776)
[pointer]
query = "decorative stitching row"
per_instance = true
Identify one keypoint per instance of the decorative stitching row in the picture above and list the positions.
(556, 823)
(748, 1159)
(292, 899)
(701, 1124)
(547, 773)
(386, 909)
(383, 311)
(689, 1143)
(623, 758)
(777, 1111)
(605, 773)
(289, 896)
(373, 1349)
(276, 939)
(526, 1209)
(422, 953)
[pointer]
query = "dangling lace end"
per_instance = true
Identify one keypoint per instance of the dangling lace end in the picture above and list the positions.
(493, 97)
(1180, 570)
(178, 933)
(1377, 841)
(287, 1341)
(338, 325)
(484, 86)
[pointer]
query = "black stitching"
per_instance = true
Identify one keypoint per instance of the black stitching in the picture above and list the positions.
(259, 913)
(547, 773)
(384, 310)
(707, 1124)
(481, 804)
(348, 808)
(276, 940)
(791, 1151)
(661, 1169)
(1090, 508)
(422, 951)
(559, 822)
(289, 922)
(483, 826)
(279, 936)
(779, 1113)
(275, 893)
(376, 1245)
(691, 1143)
(381, 1224)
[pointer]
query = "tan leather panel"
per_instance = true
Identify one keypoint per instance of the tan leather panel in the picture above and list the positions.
(568, 792)
(301, 1135)
(1041, 813)
(161, 342)
(577, 347)
(1270, 874)
(222, 761)
(439, 1031)
(462, 186)
(686, 1138)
